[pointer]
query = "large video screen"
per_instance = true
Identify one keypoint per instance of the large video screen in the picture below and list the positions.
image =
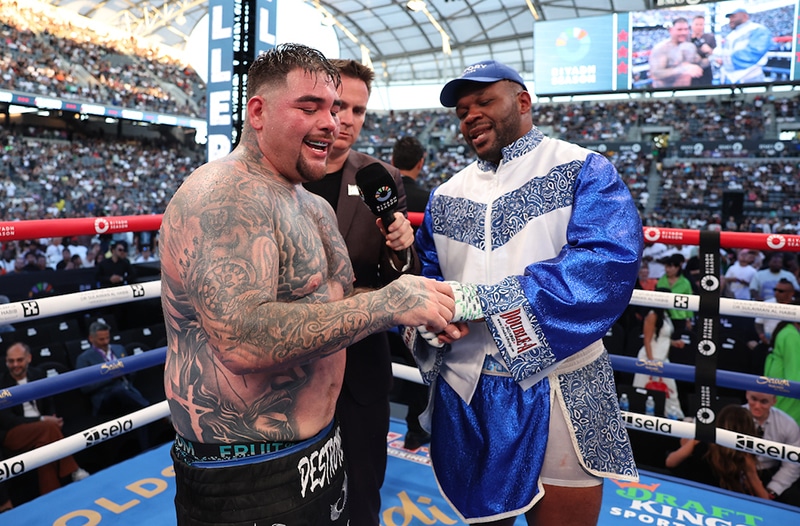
(713, 44)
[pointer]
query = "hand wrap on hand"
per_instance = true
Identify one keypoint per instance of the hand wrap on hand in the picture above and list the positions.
(468, 305)
(430, 337)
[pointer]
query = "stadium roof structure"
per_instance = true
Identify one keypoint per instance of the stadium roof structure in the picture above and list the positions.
(406, 41)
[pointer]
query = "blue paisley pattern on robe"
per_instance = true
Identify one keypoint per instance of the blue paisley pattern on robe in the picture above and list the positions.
(464, 220)
(590, 395)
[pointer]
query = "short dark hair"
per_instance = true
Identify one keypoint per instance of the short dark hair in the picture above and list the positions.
(272, 67)
(355, 70)
(97, 326)
(407, 152)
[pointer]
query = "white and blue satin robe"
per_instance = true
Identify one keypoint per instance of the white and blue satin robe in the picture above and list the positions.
(553, 239)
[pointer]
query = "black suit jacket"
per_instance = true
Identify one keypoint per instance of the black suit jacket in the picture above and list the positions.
(368, 373)
(416, 196)
(13, 416)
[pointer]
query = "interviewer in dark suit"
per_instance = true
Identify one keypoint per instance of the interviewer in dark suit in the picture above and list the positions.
(363, 405)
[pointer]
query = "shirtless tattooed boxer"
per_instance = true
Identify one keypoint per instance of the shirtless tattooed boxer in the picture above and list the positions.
(258, 301)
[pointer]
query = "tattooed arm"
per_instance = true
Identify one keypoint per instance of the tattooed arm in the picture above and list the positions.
(256, 286)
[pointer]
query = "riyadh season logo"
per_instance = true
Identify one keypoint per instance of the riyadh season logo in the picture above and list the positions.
(776, 242)
(705, 415)
(383, 194)
(709, 283)
(101, 225)
(706, 347)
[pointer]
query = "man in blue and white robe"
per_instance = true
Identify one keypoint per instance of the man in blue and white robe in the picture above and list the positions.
(541, 242)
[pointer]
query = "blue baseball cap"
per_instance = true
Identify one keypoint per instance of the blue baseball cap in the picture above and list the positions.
(736, 12)
(487, 72)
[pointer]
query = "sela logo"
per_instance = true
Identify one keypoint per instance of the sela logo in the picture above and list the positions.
(138, 291)
(753, 445)
(648, 423)
(95, 436)
(11, 470)
(30, 309)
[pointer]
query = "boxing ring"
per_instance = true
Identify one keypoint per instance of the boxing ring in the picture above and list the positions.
(407, 502)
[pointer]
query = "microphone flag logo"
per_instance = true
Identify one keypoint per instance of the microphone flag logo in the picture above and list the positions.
(383, 194)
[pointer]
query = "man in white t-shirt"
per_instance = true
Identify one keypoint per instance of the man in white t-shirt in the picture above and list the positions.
(739, 275)
(651, 254)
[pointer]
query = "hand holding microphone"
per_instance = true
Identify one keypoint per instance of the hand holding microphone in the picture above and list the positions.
(379, 192)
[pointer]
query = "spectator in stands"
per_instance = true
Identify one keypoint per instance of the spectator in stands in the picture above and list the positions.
(7, 262)
(145, 256)
(784, 293)
(740, 274)
(674, 62)
(784, 363)
(112, 396)
(5, 499)
(743, 52)
(66, 260)
(705, 44)
(27, 426)
(652, 256)
(657, 340)
(30, 263)
(674, 281)
(782, 479)
(90, 255)
(7, 327)
(54, 251)
(408, 156)
(117, 269)
(763, 284)
(717, 465)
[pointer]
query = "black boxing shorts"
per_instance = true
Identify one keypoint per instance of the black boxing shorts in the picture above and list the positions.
(301, 485)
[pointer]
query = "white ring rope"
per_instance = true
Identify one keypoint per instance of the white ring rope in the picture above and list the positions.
(68, 303)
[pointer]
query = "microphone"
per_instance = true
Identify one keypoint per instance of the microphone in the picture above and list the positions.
(378, 191)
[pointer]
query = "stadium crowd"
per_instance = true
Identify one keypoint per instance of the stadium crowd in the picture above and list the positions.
(47, 55)
(53, 172)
